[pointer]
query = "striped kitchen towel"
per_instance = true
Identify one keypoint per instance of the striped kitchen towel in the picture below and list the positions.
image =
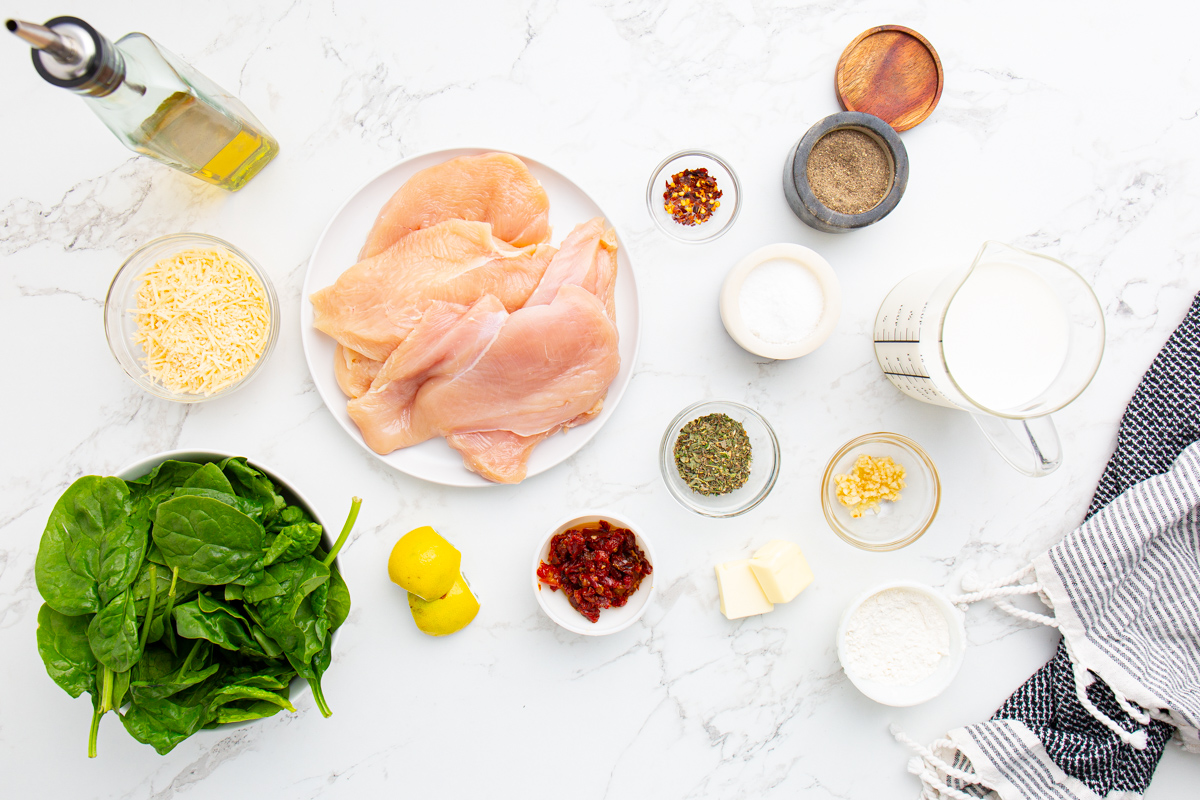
(1125, 592)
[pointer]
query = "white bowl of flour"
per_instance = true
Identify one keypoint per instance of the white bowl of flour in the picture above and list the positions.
(901, 643)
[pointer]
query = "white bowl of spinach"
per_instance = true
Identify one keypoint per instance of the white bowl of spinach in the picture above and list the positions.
(189, 591)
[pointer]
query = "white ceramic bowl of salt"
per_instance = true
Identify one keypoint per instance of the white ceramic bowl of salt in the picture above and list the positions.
(781, 301)
(901, 643)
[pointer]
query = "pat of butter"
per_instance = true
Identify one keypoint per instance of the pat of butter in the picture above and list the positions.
(781, 570)
(741, 596)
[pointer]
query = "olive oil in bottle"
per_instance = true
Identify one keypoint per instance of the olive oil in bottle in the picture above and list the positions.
(155, 103)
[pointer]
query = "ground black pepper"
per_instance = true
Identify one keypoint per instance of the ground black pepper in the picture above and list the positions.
(849, 171)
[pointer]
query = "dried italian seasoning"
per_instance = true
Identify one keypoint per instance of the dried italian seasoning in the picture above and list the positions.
(692, 196)
(712, 454)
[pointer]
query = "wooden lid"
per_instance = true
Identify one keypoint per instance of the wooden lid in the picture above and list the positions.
(892, 72)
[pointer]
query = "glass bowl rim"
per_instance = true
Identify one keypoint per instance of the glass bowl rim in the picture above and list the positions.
(651, 191)
(116, 341)
(904, 442)
(665, 465)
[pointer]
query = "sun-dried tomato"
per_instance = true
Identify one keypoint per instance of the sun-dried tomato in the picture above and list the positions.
(596, 565)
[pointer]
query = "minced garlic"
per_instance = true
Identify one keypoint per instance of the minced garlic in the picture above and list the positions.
(870, 480)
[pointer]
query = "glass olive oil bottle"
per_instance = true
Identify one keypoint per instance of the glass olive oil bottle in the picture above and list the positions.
(155, 103)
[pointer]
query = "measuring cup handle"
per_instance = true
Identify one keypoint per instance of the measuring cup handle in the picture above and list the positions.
(1031, 445)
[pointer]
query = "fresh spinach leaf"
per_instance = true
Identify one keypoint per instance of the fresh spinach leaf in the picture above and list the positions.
(219, 623)
(249, 482)
(113, 634)
(159, 674)
(253, 576)
(312, 671)
(337, 607)
(293, 542)
(206, 540)
(251, 508)
(275, 676)
(262, 589)
(236, 692)
(265, 642)
(90, 550)
(63, 645)
(318, 600)
(154, 555)
(120, 688)
(302, 637)
(209, 476)
(290, 515)
(238, 713)
(157, 485)
(163, 723)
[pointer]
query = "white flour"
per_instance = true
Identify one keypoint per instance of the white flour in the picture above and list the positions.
(896, 637)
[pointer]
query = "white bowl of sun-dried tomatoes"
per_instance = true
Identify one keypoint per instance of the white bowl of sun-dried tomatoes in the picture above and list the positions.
(593, 574)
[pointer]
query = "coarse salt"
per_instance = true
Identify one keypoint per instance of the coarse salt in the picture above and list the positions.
(781, 301)
(896, 637)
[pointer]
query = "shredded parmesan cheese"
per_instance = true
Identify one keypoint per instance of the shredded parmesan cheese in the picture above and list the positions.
(203, 320)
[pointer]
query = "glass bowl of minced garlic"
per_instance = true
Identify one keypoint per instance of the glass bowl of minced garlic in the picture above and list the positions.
(880, 491)
(190, 317)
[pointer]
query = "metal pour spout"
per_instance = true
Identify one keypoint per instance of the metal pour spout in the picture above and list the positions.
(67, 50)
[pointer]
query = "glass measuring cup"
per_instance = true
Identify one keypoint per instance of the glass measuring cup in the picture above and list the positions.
(1011, 338)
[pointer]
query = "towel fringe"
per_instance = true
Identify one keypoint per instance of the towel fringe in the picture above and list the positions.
(932, 770)
(1083, 678)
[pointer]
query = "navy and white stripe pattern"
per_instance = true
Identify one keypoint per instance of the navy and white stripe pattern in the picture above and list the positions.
(1072, 739)
(1126, 591)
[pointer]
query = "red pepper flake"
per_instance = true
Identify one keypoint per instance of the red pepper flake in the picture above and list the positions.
(596, 565)
(692, 196)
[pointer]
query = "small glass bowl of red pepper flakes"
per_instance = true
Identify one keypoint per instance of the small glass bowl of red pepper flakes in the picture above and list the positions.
(693, 196)
(591, 574)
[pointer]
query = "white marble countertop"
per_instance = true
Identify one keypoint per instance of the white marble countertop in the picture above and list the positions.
(1069, 129)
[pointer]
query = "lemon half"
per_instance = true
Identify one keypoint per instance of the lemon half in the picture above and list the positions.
(447, 615)
(424, 564)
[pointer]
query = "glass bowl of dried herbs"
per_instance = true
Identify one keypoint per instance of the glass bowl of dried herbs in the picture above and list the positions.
(719, 458)
(693, 196)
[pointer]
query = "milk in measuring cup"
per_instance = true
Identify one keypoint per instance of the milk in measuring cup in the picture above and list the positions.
(1005, 336)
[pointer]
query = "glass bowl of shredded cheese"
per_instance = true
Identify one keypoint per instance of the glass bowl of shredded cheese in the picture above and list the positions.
(190, 317)
(880, 491)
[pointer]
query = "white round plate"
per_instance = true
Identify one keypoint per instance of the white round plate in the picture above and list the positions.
(337, 250)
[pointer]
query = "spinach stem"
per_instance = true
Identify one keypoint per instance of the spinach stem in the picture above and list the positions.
(97, 712)
(106, 691)
(319, 696)
(150, 606)
(170, 602)
(187, 661)
(355, 504)
(96, 715)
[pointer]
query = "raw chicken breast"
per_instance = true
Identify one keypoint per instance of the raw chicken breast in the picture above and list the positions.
(354, 371)
(447, 341)
(502, 456)
(373, 305)
(546, 367)
(493, 187)
(499, 456)
(588, 259)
